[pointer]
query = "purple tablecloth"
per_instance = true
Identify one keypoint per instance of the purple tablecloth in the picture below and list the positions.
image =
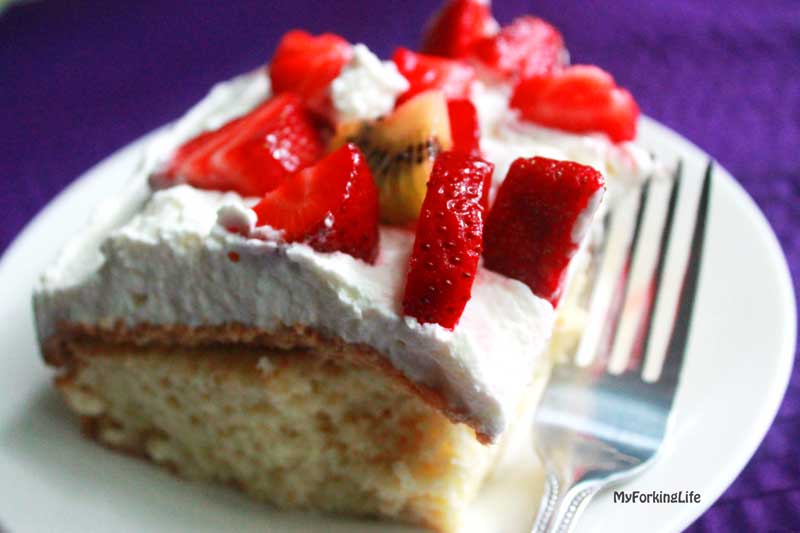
(79, 80)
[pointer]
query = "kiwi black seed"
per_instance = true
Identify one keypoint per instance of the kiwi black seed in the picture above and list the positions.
(391, 160)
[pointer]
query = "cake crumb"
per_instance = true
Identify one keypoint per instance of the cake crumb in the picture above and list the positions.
(265, 365)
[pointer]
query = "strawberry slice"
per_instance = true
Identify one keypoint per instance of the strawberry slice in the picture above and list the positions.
(191, 162)
(332, 206)
(539, 217)
(306, 65)
(526, 47)
(451, 31)
(448, 240)
(466, 133)
(464, 126)
(251, 154)
(424, 72)
(580, 99)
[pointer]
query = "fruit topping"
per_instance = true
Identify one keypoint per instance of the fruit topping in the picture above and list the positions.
(464, 126)
(466, 134)
(306, 65)
(449, 239)
(425, 72)
(252, 154)
(580, 99)
(400, 149)
(538, 219)
(332, 206)
(452, 31)
(526, 47)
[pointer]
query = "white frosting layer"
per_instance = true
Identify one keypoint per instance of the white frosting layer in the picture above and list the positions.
(162, 258)
(366, 88)
(169, 265)
(581, 228)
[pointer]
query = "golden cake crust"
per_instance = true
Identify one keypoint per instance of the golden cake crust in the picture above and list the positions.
(58, 351)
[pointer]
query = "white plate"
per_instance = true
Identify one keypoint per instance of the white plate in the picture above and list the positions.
(738, 365)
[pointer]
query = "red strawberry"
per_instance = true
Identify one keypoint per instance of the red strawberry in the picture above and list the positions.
(581, 99)
(538, 219)
(191, 162)
(526, 47)
(307, 64)
(451, 31)
(332, 206)
(425, 72)
(466, 133)
(464, 126)
(448, 240)
(251, 154)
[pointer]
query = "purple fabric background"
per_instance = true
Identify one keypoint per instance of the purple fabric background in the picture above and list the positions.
(79, 80)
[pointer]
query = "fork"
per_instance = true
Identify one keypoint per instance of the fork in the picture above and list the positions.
(596, 425)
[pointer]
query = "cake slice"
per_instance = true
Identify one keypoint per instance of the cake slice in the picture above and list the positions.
(289, 296)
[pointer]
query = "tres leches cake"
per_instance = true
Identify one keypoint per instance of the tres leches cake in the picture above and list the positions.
(336, 281)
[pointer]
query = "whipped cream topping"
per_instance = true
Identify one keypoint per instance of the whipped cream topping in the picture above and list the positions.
(581, 228)
(367, 87)
(161, 257)
(169, 264)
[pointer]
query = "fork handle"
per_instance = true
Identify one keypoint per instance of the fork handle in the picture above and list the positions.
(562, 504)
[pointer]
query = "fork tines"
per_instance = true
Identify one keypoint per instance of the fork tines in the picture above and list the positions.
(646, 280)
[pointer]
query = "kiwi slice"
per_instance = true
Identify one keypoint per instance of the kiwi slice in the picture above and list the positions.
(400, 149)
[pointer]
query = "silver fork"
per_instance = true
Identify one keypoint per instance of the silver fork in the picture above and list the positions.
(596, 427)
